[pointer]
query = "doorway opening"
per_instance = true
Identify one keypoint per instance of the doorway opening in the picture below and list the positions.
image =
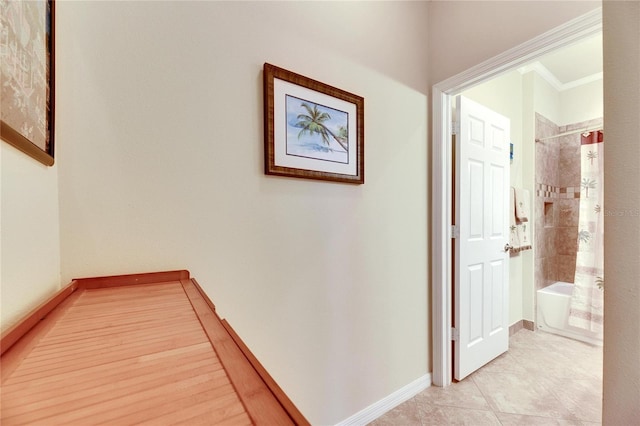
(443, 94)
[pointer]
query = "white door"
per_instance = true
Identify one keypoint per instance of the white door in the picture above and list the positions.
(482, 262)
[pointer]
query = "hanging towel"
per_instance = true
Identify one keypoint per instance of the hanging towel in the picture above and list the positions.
(514, 240)
(519, 231)
(522, 204)
(524, 235)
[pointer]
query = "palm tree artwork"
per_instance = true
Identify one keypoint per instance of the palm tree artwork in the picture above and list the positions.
(587, 184)
(313, 122)
(316, 131)
(584, 236)
(592, 155)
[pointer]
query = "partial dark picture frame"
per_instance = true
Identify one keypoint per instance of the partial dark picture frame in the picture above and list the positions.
(35, 102)
(311, 130)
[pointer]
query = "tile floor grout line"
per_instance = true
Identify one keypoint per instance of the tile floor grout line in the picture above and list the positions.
(530, 355)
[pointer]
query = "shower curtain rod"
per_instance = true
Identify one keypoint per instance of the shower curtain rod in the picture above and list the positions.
(571, 132)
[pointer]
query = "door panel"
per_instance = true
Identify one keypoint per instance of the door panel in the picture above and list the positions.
(482, 265)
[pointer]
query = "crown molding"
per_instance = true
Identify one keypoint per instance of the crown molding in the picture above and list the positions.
(571, 32)
(550, 78)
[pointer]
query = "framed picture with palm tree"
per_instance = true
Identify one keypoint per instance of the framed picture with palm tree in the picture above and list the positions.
(27, 79)
(312, 130)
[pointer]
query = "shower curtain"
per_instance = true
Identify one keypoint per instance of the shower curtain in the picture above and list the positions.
(587, 299)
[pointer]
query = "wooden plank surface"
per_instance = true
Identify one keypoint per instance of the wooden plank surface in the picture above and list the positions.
(261, 404)
(14, 333)
(122, 355)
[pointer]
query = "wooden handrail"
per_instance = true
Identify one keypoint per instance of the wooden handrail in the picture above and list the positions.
(30, 320)
(132, 279)
(275, 389)
(237, 359)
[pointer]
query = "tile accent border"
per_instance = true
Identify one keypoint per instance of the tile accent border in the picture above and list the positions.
(550, 191)
(389, 402)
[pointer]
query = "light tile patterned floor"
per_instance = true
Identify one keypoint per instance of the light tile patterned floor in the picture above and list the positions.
(543, 379)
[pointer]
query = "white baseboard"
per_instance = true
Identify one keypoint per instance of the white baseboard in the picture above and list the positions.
(387, 403)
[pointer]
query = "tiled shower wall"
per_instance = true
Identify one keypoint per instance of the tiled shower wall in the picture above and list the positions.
(557, 200)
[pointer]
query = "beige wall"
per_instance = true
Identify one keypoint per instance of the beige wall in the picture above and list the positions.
(622, 220)
(160, 111)
(160, 166)
(30, 252)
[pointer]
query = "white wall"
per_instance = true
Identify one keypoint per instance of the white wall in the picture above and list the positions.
(581, 103)
(160, 111)
(546, 100)
(621, 22)
(569, 106)
(529, 182)
(30, 238)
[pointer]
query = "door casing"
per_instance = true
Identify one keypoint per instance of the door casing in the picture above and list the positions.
(443, 94)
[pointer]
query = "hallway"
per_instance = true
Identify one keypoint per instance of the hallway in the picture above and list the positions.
(543, 379)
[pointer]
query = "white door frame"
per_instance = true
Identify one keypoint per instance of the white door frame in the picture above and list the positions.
(575, 30)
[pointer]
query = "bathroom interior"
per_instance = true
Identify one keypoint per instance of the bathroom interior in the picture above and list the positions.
(551, 373)
(556, 107)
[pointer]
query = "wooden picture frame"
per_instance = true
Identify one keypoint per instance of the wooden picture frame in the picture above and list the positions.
(311, 130)
(27, 84)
